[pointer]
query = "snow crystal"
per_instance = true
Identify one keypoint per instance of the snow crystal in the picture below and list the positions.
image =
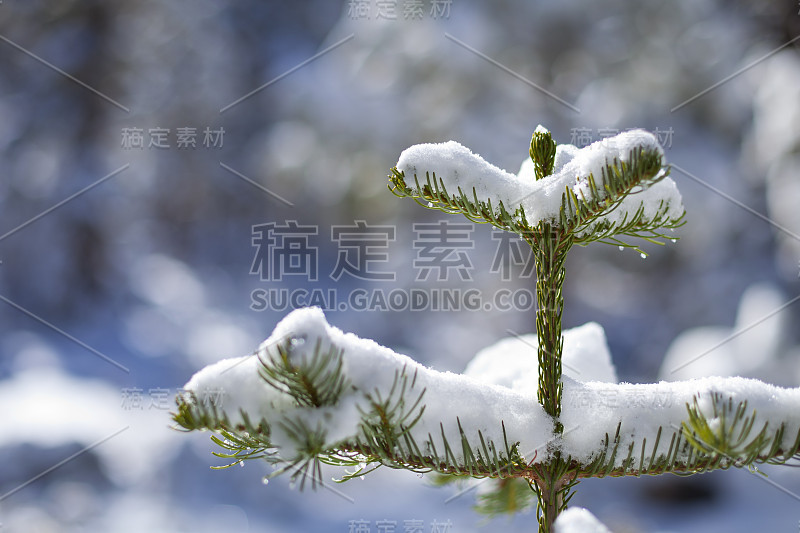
(461, 170)
(578, 520)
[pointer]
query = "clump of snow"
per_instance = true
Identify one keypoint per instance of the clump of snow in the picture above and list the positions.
(513, 362)
(500, 386)
(592, 158)
(590, 411)
(449, 398)
(564, 154)
(578, 520)
(460, 169)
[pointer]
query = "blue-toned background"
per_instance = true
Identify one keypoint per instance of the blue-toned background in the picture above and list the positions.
(126, 267)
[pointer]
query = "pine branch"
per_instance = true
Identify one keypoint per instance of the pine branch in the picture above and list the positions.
(727, 437)
(486, 462)
(597, 207)
(680, 458)
(542, 152)
(433, 194)
(730, 433)
(313, 382)
(618, 179)
(379, 444)
(306, 388)
(309, 379)
(636, 226)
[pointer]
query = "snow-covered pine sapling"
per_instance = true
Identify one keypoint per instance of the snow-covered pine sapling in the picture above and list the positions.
(532, 422)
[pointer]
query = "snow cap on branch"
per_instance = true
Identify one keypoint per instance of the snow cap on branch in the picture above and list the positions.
(592, 410)
(492, 402)
(655, 199)
(369, 370)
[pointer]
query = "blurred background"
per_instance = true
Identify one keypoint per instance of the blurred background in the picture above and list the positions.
(141, 142)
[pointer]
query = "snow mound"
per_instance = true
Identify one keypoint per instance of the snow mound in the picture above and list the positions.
(578, 520)
(513, 362)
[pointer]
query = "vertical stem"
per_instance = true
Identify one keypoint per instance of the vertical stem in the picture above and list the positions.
(550, 251)
(550, 503)
(550, 247)
(554, 483)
